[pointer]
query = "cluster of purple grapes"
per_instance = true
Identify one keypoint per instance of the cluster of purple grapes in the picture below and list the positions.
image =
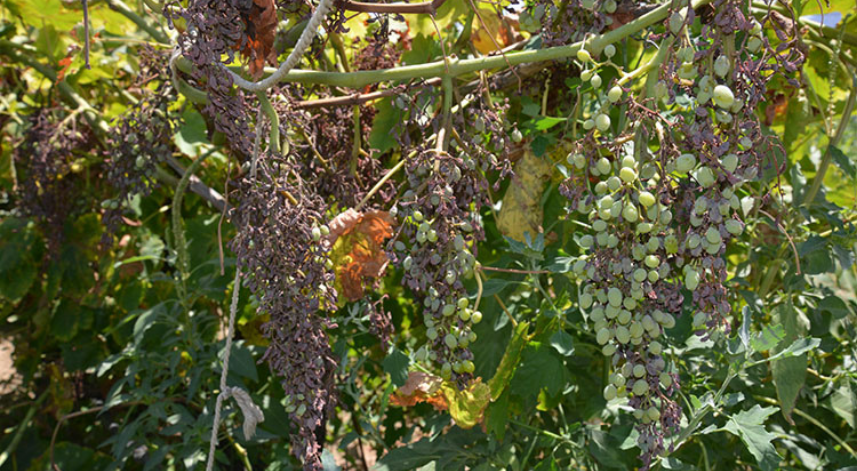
(47, 159)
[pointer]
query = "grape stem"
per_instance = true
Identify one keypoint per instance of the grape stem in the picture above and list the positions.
(380, 183)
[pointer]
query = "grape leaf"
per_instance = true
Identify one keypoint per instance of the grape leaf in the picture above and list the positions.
(467, 406)
(396, 364)
(562, 343)
(749, 426)
(522, 209)
(540, 368)
(789, 373)
(843, 161)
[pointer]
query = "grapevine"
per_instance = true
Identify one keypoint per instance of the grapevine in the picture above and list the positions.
(459, 234)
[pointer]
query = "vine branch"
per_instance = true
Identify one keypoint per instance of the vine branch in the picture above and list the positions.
(359, 79)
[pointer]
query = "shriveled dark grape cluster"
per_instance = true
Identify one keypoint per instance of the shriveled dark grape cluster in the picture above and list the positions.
(139, 141)
(216, 29)
(279, 245)
(660, 222)
(47, 159)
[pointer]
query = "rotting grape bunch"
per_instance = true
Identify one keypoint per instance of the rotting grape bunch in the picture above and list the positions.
(662, 200)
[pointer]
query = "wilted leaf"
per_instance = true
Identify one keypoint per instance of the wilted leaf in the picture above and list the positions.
(260, 32)
(522, 204)
(491, 25)
(420, 387)
(510, 361)
(358, 248)
(467, 406)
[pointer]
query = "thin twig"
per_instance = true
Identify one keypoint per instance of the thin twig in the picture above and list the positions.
(508, 314)
(84, 4)
(785, 233)
(400, 8)
(360, 98)
(380, 183)
(513, 270)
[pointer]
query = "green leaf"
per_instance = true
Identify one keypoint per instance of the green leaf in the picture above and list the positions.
(396, 364)
(145, 320)
(835, 306)
(749, 427)
(241, 362)
(540, 369)
(789, 373)
(17, 267)
(844, 404)
(410, 457)
(494, 286)
(510, 361)
(562, 342)
(543, 123)
(192, 133)
(386, 118)
(64, 323)
(843, 161)
(768, 338)
(497, 416)
(799, 347)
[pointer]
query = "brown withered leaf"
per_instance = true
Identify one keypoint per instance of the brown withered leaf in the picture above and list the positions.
(261, 30)
(358, 248)
(420, 387)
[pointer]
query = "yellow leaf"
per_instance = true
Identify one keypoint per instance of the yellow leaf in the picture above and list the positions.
(500, 28)
(467, 407)
(522, 209)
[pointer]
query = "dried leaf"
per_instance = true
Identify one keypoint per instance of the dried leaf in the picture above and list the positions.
(522, 204)
(467, 407)
(358, 248)
(260, 32)
(65, 62)
(501, 29)
(420, 387)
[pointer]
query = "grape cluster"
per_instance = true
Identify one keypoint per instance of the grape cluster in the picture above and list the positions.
(441, 226)
(660, 222)
(47, 159)
(216, 30)
(138, 142)
(280, 246)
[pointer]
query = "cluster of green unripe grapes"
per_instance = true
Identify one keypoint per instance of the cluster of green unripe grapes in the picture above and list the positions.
(441, 231)
(622, 267)
(601, 120)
